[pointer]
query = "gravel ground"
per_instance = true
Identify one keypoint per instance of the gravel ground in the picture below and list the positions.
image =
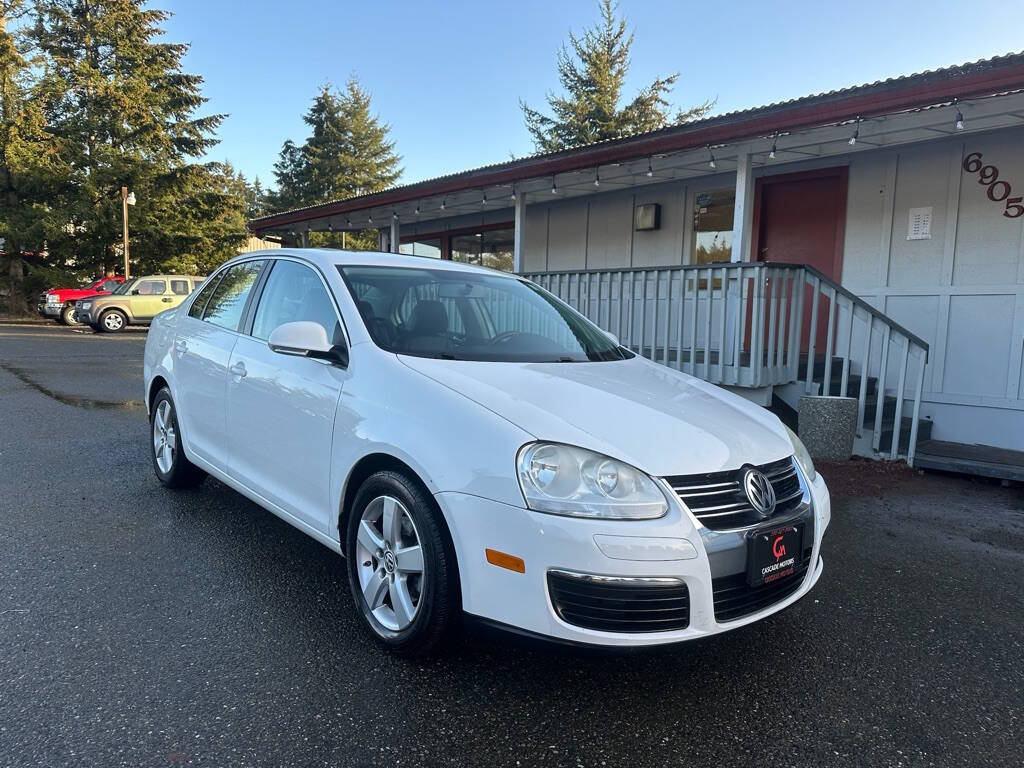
(143, 627)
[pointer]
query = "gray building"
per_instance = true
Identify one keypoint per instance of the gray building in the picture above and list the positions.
(866, 242)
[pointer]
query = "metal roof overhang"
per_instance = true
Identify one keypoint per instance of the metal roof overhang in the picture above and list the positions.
(893, 112)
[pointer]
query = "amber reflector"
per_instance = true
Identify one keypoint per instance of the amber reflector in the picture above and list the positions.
(502, 560)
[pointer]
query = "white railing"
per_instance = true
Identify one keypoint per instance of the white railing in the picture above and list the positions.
(756, 324)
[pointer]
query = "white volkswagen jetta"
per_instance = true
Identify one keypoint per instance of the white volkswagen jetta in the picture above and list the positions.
(475, 447)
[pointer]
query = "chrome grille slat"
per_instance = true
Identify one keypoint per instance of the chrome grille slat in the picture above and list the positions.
(717, 501)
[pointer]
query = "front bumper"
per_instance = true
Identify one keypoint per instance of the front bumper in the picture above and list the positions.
(552, 543)
(50, 310)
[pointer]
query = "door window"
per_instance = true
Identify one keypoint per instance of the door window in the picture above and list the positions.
(293, 293)
(196, 310)
(150, 287)
(713, 211)
(109, 285)
(228, 300)
(180, 287)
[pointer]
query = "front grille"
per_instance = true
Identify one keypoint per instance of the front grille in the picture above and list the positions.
(718, 501)
(620, 605)
(734, 598)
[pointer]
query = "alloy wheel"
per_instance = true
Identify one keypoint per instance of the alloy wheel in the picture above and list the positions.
(113, 321)
(389, 563)
(165, 439)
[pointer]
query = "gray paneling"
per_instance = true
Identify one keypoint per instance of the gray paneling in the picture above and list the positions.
(567, 235)
(923, 180)
(988, 243)
(920, 316)
(977, 344)
(536, 244)
(865, 202)
(664, 246)
(609, 231)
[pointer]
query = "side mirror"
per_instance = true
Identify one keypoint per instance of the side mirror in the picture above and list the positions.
(613, 337)
(306, 339)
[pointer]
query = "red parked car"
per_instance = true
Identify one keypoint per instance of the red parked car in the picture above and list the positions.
(59, 303)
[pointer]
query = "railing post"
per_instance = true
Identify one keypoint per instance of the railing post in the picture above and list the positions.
(643, 311)
(846, 358)
(693, 322)
(918, 390)
(897, 418)
(724, 322)
(829, 342)
(865, 370)
(679, 321)
(654, 317)
(668, 315)
(813, 338)
(876, 436)
(797, 327)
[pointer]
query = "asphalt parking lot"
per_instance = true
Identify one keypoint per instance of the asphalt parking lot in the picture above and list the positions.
(143, 627)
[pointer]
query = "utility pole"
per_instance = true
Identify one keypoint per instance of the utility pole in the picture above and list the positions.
(126, 200)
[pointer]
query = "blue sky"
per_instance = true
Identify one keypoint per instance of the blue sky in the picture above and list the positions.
(448, 76)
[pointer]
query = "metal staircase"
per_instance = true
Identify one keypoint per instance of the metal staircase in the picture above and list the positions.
(753, 327)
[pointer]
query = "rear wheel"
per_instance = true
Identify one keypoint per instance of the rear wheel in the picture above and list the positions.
(402, 575)
(67, 315)
(172, 467)
(113, 321)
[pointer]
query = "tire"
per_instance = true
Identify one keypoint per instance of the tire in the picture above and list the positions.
(172, 467)
(388, 576)
(113, 321)
(67, 315)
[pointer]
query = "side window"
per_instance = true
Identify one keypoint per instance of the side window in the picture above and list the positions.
(180, 287)
(196, 310)
(110, 285)
(150, 287)
(228, 299)
(294, 292)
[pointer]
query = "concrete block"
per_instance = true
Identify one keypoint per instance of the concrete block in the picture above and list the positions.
(827, 426)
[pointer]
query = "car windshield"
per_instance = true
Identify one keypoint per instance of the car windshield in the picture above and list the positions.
(124, 287)
(464, 315)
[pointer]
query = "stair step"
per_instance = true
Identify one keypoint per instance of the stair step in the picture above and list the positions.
(888, 410)
(924, 432)
(852, 385)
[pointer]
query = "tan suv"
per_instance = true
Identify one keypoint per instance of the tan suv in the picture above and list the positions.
(136, 302)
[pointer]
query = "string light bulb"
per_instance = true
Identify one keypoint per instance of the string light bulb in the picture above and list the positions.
(597, 177)
(959, 116)
(484, 201)
(512, 194)
(650, 170)
(554, 187)
(856, 134)
(711, 162)
(771, 154)
(369, 219)
(416, 211)
(444, 203)
(394, 215)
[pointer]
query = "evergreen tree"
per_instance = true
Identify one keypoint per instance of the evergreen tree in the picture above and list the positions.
(348, 153)
(591, 70)
(30, 161)
(127, 112)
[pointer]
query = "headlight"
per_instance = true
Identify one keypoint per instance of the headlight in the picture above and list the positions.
(84, 304)
(803, 458)
(564, 480)
(52, 298)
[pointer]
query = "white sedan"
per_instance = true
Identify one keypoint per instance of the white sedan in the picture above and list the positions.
(477, 449)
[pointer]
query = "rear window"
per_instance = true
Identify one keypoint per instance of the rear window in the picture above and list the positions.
(180, 287)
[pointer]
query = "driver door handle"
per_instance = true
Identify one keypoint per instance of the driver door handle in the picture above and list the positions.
(167, 300)
(237, 369)
(180, 347)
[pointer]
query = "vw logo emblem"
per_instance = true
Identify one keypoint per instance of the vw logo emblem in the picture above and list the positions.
(759, 491)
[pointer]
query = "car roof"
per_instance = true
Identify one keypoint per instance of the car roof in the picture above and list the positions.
(328, 258)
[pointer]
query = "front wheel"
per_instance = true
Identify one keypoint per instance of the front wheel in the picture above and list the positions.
(402, 574)
(113, 321)
(67, 315)
(172, 467)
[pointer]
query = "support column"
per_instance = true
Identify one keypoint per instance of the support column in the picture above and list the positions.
(304, 239)
(743, 217)
(518, 249)
(382, 240)
(395, 234)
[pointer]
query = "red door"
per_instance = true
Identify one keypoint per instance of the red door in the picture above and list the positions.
(800, 218)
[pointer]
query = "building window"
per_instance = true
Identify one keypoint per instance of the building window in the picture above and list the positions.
(712, 225)
(492, 248)
(428, 246)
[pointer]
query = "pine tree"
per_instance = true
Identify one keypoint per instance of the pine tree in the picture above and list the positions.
(591, 70)
(127, 111)
(348, 153)
(30, 159)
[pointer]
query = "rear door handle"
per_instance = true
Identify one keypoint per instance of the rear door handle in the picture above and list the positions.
(168, 300)
(237, 369)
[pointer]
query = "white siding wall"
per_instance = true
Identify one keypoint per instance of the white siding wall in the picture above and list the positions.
(962, 290)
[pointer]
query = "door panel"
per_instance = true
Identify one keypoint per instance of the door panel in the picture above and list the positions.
(801, 219)
(280, 425)
(201, 354)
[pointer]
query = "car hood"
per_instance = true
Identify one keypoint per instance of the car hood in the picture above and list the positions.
(657, 419)
(67, 294)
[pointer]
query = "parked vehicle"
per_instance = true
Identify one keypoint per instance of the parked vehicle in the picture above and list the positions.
(59, 303)
(476, 447)
(136, 302)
